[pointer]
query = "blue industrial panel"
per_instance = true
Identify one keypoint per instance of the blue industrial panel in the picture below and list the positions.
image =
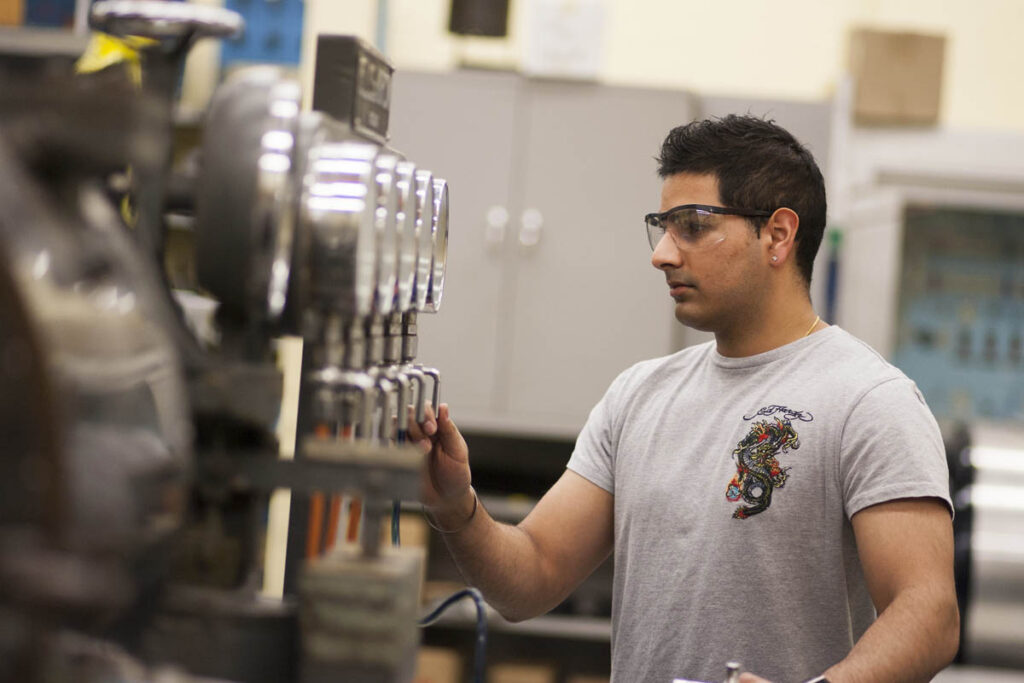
(57, 13)
(961, 325)
(273, 32)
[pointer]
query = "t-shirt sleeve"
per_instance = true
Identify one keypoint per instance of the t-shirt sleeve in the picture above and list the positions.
(594, 455)
(891, 448)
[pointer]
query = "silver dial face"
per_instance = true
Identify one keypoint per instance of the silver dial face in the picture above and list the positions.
(424, 237)
(152, 19)
(339, 207)
(407, 247)
(386, 229)
(439, 223)
(275, 193)
(246, 193)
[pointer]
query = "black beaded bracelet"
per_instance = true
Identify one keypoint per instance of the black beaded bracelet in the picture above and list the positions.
(472, 514)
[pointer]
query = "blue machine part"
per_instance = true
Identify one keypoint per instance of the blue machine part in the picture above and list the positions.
(54, 13)
(961, 322)
(273, 32)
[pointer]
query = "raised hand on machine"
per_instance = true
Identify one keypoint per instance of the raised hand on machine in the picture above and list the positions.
(446, 491)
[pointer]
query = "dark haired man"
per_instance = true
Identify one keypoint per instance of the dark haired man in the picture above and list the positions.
(764, 493)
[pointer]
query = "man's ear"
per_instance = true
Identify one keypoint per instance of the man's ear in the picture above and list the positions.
(779, 236)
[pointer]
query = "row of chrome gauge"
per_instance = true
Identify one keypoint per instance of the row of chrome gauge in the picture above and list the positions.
(397, 217)
(296, 214)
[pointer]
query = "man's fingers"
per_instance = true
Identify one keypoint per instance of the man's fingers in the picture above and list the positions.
(415, 432)
(429, 424)
(419, 430)
(449, 435)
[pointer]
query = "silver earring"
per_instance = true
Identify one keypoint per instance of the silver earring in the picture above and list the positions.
(775, 258)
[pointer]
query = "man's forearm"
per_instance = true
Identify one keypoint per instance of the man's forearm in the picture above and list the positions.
(500, 560)
(912, 639)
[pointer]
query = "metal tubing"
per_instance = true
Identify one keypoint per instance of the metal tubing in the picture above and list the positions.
(385, 390)
(404, 392)
(418, 376)
(434, 374)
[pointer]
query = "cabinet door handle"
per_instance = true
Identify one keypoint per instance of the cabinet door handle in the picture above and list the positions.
(530, 227)
(495, 224)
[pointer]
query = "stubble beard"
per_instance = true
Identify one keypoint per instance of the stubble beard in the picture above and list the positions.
(734, 313)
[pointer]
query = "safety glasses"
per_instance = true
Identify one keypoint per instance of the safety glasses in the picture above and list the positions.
(693, 226)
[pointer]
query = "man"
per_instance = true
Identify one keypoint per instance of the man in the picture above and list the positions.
(764, 493)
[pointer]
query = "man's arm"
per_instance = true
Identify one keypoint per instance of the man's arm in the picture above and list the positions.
(906, 551)
(523, 570)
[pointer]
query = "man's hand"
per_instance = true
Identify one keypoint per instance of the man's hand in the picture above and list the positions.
(752, 678)
(447, 476)
(522, 570)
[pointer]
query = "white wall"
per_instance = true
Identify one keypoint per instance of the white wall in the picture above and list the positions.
(790, 49)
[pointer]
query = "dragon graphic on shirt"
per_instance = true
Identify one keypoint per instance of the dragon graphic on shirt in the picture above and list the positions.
(758, 472)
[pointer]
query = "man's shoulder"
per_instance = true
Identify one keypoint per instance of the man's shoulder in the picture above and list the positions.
(650, 373)
(852, 366)
(684, 359)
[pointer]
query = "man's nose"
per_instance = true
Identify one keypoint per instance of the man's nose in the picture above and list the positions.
(666, 254)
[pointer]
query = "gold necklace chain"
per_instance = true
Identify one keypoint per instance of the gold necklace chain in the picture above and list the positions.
(816, 321)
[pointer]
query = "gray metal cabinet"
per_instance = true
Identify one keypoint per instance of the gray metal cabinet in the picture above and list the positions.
(460, 127)
(539, 316)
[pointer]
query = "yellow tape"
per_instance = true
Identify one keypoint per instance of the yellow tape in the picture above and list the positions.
(104, 51)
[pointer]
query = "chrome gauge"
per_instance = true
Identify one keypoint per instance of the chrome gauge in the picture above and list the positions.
(405, 172)
(274, 211)
(245, 200)
(439, 241)
(337, 213)
(386, 230)
(424, 237)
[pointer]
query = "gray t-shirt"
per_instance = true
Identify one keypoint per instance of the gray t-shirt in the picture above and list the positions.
(734, 481)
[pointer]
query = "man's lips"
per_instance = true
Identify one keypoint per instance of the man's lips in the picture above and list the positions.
(676, 288)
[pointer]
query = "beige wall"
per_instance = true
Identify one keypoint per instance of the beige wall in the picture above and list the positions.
(794, 49)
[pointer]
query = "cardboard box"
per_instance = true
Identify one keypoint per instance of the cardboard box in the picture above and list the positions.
(12, 12)
(438, 665)
(412, 528)
(522, 673)
(897, 77)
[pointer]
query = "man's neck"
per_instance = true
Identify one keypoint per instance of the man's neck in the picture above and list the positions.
(770, 328)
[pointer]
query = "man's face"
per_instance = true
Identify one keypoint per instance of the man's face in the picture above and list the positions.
(718, 282)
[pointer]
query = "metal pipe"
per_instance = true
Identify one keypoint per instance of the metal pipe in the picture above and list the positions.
(419, 377)
(434, 374)
(385, 390)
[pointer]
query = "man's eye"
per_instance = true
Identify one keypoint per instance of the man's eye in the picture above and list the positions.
(689, 227)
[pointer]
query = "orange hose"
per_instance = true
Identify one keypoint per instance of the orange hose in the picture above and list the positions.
(316, 505)
(316, 523)
(346, 433)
